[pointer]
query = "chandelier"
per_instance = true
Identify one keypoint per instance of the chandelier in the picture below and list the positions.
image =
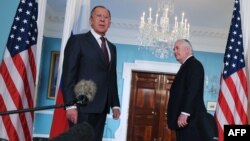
(158, 34)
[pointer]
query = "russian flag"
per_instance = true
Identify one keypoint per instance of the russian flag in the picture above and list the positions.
(76, 21)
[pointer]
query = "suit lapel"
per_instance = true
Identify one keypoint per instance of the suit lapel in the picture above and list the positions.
(96, 46)
(182, 70)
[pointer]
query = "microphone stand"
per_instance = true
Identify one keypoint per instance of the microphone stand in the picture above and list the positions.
(35, 109)
(80, 100)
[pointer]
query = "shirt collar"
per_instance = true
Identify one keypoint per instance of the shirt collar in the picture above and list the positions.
(187, 58)
(97, 36)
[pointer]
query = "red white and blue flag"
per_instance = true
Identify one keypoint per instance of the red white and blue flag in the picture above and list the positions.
(60, 122)
(232, 103)
(18, 74)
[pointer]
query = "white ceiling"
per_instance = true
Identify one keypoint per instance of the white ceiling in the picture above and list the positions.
(211, 17)
(200, 13)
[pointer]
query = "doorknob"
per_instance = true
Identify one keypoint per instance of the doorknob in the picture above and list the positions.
(154, 113)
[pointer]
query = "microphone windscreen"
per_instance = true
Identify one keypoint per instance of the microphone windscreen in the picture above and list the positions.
(85, 88)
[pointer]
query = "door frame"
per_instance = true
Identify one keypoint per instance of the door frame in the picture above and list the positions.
(138, 65)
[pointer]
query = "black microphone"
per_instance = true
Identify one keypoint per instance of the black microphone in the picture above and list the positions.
(85, 91)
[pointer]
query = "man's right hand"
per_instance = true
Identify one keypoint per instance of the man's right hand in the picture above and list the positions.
(72, 115)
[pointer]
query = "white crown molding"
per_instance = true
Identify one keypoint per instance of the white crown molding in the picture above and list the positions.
(56, 23)
(126, 32)
(202, 38)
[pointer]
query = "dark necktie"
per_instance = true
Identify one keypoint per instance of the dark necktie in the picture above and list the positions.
(104, 49)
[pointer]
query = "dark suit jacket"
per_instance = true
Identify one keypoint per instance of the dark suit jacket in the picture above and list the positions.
(186, 93)
(207, 127)
(83, 59)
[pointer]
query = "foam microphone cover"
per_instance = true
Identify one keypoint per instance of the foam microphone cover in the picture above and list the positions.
(85, 88)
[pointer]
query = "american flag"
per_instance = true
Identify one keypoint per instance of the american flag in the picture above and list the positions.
(232, 102)
(18, 74)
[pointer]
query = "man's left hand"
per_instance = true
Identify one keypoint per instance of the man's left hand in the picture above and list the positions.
(182, 120)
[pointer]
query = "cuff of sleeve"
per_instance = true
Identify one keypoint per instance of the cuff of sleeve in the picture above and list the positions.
(70, 107)
(184, 113)
(116, 107)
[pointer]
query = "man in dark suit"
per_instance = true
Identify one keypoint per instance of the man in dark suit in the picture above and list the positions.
(84, 60)
(186, 94)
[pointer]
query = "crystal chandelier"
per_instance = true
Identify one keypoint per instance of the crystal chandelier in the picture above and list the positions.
(158, 35)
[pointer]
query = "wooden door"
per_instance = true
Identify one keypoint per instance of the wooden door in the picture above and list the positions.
(147, 112)
(165, 134)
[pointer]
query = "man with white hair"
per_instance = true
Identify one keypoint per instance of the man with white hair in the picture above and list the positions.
(186, 94)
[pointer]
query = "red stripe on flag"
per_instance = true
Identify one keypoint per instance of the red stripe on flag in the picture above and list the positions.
(17, 100)
(243, 83)
(225, 107)
(220, 130)
(32, 64)
(12, 133)
(18, 72)
(59, 122)
(20, 65)
(233, 96)
(238, 107)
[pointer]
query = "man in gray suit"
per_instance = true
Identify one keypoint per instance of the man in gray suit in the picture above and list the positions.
(186, 94)
(84, 60)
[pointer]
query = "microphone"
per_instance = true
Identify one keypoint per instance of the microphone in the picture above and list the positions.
(85, 91)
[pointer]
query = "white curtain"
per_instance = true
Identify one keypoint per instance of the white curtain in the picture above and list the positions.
(40, 25)
(245, 15)
(72, 15)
